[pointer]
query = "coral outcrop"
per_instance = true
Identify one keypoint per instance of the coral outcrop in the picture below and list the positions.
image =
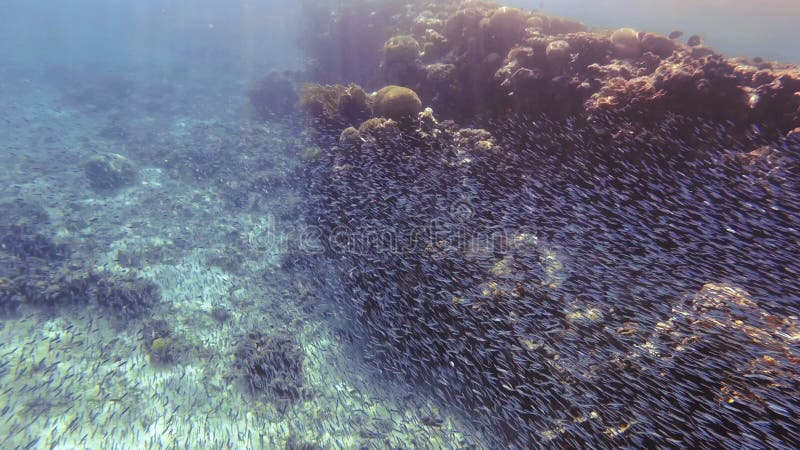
(335, 105)
(626, 43)
(477, 58)
(399, 62)
(397, 103)
(559, 214)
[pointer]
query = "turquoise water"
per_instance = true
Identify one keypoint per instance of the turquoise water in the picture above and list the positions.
(127, 311)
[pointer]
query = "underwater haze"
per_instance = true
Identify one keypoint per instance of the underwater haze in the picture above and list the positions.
(201, 36)
(378, 224)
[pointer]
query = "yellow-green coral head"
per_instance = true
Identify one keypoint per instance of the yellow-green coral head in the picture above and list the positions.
(396, 102)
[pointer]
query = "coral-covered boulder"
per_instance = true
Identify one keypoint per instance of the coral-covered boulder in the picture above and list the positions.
(272, 365)
(626, 43)
(658, 44)
(506, 25)
(561, 25)
(401, 49)
(706, 86)
(465, 23)
(396, 102)
(552, 25)
(755, 357)
(518, 58)
(434, 45)
(440, 75)
(426, 21)
(588, 48)
(336, 104)
(399, 63)
(378, 130)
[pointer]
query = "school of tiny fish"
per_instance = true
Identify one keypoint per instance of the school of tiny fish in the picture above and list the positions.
(577, 288)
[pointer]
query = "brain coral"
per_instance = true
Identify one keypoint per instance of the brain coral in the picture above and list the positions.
(396, 102)
(400, 49)
(506, 25)
(626, 43)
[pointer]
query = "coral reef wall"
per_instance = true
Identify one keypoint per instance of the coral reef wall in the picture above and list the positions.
(608, 261)
(554, 281)
(481, 58)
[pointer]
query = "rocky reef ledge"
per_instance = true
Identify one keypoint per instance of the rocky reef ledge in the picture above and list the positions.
(477, 58)
(578, 237)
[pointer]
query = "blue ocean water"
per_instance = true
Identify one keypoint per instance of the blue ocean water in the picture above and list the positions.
(131, 314)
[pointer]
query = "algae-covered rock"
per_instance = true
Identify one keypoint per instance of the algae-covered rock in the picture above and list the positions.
(272, 365)
(626, 43)
(69, 284)
(161, 343)
(339, 104)
(396, 102)
(125, 297)
(161, 350)
(220, 314)
(379, 129)
(23, 231)
(350, 137)
(108, 171)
